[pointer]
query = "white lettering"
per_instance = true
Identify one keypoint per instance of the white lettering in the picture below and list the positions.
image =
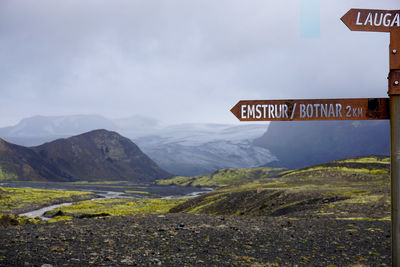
(354, 112)
(338, 110)
(271, 112)
(324, 110)
(265, 110)
(243, 109)
(280, 111)
(396, 20)
(316, 106)
(331, 111)
(293, 111)
(309, 111)
(284, 111)
(386, 21)
(358, 19)
(348, 113)
(258, 111)
(380, 21)
(302, 111)
(368, 19)
(359, 112)
(250, 111)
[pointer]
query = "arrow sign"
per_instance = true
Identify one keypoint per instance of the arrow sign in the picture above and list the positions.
(312, 109)
(372, 20)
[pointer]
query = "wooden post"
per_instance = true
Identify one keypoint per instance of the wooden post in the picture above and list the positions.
(394, 93)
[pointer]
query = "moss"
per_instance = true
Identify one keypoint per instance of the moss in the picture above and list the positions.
(60, 218)
(348, 193)
(6, 176)
(116, 206)
(9, 219)
(177, 180)
(313, 170)
(371, 159)
(335, 195)
(224, 177)
(364, 219)
(208, 202)
(362, 199)
(13, 200)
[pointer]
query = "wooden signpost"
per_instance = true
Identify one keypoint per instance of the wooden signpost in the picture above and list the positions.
(372, 20)
(312, 109)
(350, 109)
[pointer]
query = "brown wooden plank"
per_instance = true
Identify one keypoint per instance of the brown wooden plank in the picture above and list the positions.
(312, 109)
(394, 58)
(372, 20)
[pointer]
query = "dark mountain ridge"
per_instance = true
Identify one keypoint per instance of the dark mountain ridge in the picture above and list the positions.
(301, 144)
(98, 155)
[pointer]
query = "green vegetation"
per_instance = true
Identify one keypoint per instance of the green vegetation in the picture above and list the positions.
(113, 207)
(320, 170)
(371, 159)
(6, 176)
(347, 189)
(15, 200)
(222, 177)
(9, 219)
(356, 168)
(351, 188)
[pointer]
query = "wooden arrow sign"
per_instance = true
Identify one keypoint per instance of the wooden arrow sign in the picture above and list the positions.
(372, 20)
(314, 109)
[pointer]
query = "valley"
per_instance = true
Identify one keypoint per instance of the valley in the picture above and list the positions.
(106, 202)
(260, 216)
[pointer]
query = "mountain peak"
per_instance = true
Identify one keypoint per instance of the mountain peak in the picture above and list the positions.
(98, 155)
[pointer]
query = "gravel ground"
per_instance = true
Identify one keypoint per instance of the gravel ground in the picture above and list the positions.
(197, 240)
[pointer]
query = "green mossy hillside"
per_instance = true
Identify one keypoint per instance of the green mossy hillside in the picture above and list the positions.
(351, 188)
(352, 167)
(223, 177)
(18, 200)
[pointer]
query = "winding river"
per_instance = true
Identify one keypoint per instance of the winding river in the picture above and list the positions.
(115, 190)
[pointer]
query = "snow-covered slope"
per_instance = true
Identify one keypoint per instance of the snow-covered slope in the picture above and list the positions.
(191, 149)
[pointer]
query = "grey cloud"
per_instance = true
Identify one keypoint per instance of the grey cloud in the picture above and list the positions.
(178, 60)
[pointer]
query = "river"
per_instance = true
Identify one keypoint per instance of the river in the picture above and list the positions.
(108, 190)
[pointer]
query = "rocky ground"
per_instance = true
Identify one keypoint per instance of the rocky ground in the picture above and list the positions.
(197, 240)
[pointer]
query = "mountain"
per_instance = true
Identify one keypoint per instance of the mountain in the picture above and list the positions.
(22, 163)
(194, 149)
(99, 155)
(199, 148)
(183, 149)
(299, 144)
(39, 129)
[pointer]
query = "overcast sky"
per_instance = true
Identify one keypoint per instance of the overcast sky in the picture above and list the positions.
(179, 60)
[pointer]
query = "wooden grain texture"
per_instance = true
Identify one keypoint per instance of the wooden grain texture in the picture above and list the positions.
(372, 20)
(312, 109)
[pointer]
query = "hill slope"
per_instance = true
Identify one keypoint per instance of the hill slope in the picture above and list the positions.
(94, 156)
(223, 177)
(340, 189)
(18, 162)
(301, 144)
